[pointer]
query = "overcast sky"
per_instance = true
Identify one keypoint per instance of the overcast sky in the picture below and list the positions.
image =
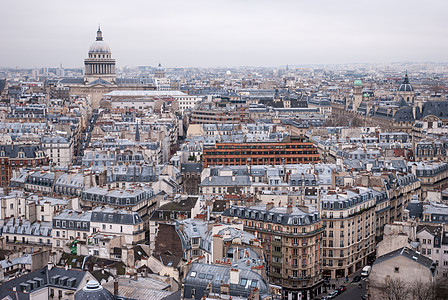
(224, 32)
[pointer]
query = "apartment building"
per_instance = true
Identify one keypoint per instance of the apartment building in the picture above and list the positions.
(349, 238)
(23, 234)
(127, 224)
(68, 226)
(15, 157)
(433, 243)
(293, 151)
(292, 241)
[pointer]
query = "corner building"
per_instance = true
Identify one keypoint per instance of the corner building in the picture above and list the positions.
(292, 242)
(349, 237)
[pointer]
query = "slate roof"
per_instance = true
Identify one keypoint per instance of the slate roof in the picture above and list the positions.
(42, 278)
(191, 168)
(200, 275)
(404, 114)
(438, 108)
(275, 215)
(110, 215)
(415, 208)
(409, 254)
(13, 150)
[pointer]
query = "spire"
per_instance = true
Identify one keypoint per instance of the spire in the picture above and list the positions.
(137, 134)
(99, 34)
(406, 79)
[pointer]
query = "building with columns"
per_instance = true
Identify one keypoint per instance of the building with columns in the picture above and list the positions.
(99, 65)
(100, 75)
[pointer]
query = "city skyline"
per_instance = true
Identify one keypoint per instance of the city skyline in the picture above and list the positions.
(200, 34)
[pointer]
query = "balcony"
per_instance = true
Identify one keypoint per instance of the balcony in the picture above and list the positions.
(277, 254)
(276, 264)
(275, 275)
(276, 243)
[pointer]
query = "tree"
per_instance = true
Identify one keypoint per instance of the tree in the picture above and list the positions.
(395, 289)
(422, 291)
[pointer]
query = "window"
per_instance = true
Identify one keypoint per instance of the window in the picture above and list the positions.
(396, 269)
(243, 281)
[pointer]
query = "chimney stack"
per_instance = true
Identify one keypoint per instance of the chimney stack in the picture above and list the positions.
(116, 287)
(270, 206)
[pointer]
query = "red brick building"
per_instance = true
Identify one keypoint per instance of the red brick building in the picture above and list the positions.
(290, 151)
(15, 157)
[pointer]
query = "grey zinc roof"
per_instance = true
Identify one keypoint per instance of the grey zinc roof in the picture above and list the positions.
(45, 277)
(191, 168)
(275, 215)
(408, 253)
(110, 215)
(226, 181)
(70, 214)
(200, 275)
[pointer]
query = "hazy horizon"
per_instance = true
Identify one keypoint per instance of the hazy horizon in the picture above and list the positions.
(224, 33)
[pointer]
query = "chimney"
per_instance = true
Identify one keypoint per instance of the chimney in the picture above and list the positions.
(289, 209)
(50, 266)
(116, 287)
(270, 206)
(234, 276)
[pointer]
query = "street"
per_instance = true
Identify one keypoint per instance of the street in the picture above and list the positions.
(353, 291)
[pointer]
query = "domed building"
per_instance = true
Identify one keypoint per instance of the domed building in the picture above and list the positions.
(100, 75)
(406, 91)
(93, 291)
(99, 65)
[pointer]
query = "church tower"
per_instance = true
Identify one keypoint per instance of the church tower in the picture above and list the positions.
(99, 66)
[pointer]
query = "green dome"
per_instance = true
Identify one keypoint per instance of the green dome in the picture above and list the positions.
(357, 82)
(365, 95)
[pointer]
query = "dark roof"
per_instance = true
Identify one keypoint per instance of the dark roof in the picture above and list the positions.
(409, 254)
(44, 278)
(437, 108)
(12, 151)
(191, 168)
(415, 208)
(168, 245)
(406, 86)
(404, 114)
(184, 205)
(219, 206)
(139, 253)
(116, 217)
(94, 291)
